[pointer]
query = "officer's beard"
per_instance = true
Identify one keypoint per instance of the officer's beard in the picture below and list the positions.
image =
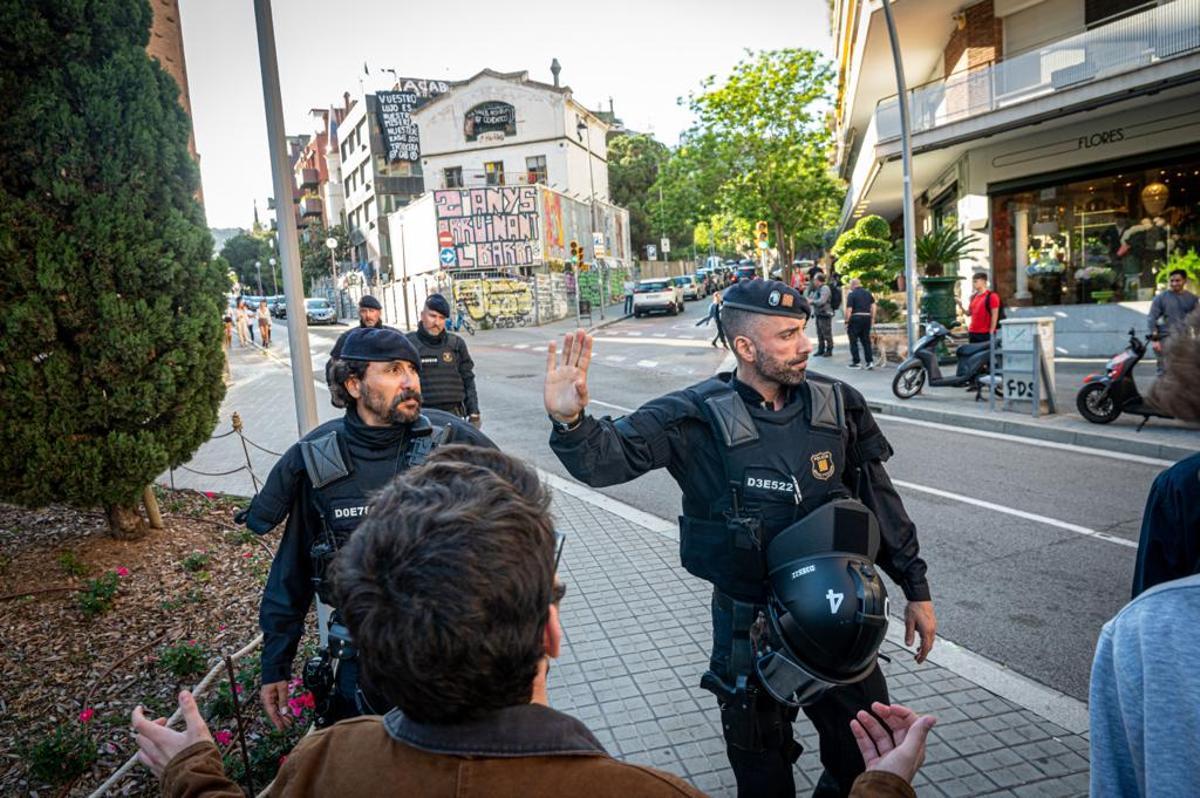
(394, 412)
(783, 372)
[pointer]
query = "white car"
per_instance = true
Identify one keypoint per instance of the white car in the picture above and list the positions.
(693, 288)
(657, 294)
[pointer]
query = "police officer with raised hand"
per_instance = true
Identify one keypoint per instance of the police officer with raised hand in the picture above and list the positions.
(323, 486)
(447, 370)
(754, 452)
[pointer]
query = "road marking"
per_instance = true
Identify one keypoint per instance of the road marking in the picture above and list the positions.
(999, 508)
(648, 364)
(632, 332)
(685, 343)
(615, 358)
(1046, 702)
(520, 346)
(1002, 436)
(609, 404)
(659, 335)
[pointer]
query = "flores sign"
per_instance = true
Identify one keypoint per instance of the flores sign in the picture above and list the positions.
(490, 117)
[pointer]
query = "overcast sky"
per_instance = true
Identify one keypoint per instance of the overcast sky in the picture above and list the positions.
(642, 53)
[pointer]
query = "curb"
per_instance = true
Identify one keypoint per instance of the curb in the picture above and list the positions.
(608, 323)
(1093, 440)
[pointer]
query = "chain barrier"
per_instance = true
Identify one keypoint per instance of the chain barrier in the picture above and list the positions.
(248, 467)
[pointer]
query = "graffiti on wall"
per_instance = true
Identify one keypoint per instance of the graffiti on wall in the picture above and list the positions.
(490, 227)
(501, 301)
(556, 241)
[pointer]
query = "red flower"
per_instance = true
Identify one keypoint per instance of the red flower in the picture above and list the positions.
(122, 571)
(282, 759)
(223, 737)
(86, 715)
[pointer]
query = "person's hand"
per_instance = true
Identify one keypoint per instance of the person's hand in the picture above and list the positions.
(566, 391)
(475, 420)
(1157, 346)
(919, 618)
(899, 748)
(274, 697)
(158, 745)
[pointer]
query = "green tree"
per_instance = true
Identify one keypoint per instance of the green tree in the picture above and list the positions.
(110, 303)
(242, 252)
(760, 149)
(634, 164)
(314, 255)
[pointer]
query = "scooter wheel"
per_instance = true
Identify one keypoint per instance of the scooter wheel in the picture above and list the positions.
(909, 381)
(1094, 407)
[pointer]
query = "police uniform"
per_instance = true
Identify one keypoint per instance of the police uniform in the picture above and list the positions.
(447, 371)
(747, 471)
(323, 486)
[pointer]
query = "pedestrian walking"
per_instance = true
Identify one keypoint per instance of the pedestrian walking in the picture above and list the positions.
(323, 486)
(821, 299)
(242, 318)
(264, 322)
(755, 451)
(859, 313)
(628, 287)
(447, 370)
(1168, 311)
(714, 315)
(983, 310)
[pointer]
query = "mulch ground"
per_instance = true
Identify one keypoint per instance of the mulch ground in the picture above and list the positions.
(199, 579)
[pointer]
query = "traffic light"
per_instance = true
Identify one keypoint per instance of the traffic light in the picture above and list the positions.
(762, 234)
(576, 252)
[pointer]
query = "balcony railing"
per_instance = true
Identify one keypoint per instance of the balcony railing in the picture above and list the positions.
(1151, 33)
(311, 206)
(310, 178)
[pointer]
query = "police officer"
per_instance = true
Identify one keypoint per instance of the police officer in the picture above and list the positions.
(370, 314)
(322, 485)
(447, 371)
(753, 451)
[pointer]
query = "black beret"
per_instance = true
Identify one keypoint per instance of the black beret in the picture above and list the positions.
(767, 296)
(379, 344)
(369, 302)
(438, 304)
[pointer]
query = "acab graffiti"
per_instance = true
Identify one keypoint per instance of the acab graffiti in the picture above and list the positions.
(500, 301)
(491, 227)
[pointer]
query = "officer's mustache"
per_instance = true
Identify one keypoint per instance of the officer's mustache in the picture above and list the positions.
(406, 395)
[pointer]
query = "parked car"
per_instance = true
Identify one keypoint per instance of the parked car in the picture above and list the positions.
(691, 287)
(274, 303)
(319, 311)
(747, 271)
(657, 294)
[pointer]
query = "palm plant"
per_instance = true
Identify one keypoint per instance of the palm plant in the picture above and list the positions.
(943, 246)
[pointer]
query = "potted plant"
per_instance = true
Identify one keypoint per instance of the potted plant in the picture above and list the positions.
(943, 247)
(1097, 282)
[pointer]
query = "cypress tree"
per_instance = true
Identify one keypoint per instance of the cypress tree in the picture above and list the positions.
(110, 357)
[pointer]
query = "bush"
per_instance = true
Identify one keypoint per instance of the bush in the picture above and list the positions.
(61, 755)
(874, 227)
(183, 660)
(97, 596)
(196, 561)
(71, 564)
(865, 251)
(110, 326)
(1189, 261)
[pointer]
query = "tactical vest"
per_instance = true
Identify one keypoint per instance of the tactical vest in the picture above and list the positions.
(779, 466)
(341, 496)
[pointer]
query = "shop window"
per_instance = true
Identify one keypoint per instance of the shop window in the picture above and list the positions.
(536, 169)
(453, 177)
(494, 172)
(1106, 238)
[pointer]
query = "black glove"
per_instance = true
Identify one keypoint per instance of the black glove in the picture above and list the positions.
(241, 515)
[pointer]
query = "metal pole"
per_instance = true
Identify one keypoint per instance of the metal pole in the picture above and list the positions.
(592, 216)
(404, 279)
(910, 241)
(289, 243)
(258, 271)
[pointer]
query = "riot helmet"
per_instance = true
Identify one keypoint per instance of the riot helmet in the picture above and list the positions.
(827, 606)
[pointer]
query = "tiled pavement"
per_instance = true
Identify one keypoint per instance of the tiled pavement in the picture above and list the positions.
(637, 635)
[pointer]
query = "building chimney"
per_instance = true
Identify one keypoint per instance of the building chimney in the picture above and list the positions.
(346, 100)
(610, 108)
(554, 70)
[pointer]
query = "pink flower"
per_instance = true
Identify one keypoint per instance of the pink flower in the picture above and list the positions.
(210, 494)
(247, 555)
(86, 715)
(122, 571)
(221, 628)
(237, 688)
(282, 759)
(223, 737)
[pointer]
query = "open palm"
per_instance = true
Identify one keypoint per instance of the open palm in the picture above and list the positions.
(566, 392)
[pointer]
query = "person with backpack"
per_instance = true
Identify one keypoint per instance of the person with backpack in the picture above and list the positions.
(985, 310)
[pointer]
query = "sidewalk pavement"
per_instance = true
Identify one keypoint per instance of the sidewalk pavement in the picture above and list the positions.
(1161, 438)
(637, 639)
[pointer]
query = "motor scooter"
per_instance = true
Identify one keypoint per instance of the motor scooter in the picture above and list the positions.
(922, 366)
(1106, 396)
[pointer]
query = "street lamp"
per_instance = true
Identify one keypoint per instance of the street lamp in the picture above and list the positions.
(274, 282)
(258, 271)
(332, 244)
(582, 126)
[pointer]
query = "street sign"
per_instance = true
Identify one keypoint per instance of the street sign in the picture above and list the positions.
(651, 252)
(666, 246)
(445, 239)
(447, 257)
(598, 244)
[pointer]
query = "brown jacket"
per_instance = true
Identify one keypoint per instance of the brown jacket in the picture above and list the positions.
(523, 751)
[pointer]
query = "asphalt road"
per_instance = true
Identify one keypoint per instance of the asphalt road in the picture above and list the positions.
(1018, 572)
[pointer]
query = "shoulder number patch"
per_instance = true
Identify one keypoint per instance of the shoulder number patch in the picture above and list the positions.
(822, 465)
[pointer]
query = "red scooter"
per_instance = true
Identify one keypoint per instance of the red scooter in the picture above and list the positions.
(1106, 396)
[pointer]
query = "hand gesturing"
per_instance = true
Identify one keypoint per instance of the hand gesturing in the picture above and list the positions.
(566, 392)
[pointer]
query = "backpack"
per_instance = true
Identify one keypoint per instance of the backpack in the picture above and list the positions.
(835, 296)
(1001, 315)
